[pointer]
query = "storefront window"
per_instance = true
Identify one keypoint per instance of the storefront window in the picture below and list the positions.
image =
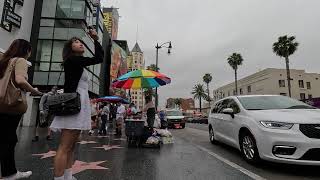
(40, 78)
(46, 33)
(56, 67)
(71, 9)
(44, 50)
(53, 78)
(49, 8)
(57, 51)
(47, 22)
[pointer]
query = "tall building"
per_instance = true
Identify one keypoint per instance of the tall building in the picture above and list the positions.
(274, 81)
(48, 24)
(187, 104)
(111, 21)
(137, 96)
(17, 24)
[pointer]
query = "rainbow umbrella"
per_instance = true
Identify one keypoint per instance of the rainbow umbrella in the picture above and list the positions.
(112, 99)
(141, 79)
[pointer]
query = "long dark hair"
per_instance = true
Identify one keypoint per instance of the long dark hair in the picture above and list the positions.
(18, 48)
(67, 49)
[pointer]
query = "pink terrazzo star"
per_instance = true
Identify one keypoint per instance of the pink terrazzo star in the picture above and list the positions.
(100, 136)
(46, 155)
(80, 166)
(86, 142)
(109, 147)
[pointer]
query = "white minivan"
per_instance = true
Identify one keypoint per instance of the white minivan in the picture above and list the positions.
(268, 127)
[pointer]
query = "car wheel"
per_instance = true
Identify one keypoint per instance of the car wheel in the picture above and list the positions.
(249, 148)
(183, 125)
(211, 136)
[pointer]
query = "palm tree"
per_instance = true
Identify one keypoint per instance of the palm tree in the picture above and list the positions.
(178, 102)
(153, 67)
(207, 78)
(234, 61)
(199, 93)
(285, 47)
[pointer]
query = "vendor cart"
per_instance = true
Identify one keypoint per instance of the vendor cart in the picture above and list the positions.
(134, 130)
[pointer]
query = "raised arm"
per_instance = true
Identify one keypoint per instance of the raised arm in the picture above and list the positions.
(88, 61)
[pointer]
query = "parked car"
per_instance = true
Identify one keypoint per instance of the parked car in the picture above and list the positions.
(268, 127)
(175, 117)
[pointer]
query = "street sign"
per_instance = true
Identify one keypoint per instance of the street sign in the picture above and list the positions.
(9, 17)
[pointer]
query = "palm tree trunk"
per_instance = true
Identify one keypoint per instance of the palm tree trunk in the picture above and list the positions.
(209, 94)
(288, 75)
(236, 80)
(200, 105)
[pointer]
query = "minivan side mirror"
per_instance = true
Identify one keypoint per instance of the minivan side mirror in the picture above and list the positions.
(228, 111)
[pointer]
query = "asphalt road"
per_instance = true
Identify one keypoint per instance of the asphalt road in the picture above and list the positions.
(197, 134)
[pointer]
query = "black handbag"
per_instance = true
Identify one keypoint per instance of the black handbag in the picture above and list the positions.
(64, 104)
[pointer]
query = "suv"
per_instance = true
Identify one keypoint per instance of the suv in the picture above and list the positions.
(175, 117)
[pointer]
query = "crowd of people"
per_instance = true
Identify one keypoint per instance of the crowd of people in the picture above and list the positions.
(14, 86)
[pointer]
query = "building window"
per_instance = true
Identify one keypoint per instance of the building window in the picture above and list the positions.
(308, 85)
(301, 84)
(228, 93)
(249, 89)
(282, 83)
(283, 94)
(309, 96)
(241, 92)
(302, 96)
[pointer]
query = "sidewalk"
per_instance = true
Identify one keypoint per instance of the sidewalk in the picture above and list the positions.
(104, 158)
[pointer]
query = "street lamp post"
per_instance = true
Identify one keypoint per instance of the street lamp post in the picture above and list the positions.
(169, 47)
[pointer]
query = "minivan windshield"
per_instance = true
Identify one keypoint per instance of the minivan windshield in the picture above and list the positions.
(174, 113)
(272, 102)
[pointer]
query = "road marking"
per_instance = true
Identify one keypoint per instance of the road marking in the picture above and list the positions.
(236, 166)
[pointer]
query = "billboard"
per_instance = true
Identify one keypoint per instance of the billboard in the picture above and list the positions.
(111, 21)
(118, 61)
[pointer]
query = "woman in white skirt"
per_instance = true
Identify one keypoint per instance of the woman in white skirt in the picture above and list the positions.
(76, 80)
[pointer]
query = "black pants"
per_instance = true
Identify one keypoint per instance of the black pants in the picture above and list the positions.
(104, 119)
(8, 141)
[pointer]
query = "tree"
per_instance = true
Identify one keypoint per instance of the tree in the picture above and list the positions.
(178, 102)
(207, 78)
(153, 67)
(235, 60)
(285, 47)
(199, 93)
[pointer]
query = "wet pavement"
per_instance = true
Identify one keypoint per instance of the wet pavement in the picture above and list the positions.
(100, 158)
(191, 157)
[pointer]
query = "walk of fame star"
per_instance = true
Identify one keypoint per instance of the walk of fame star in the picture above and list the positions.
(109, 147)
(80, 166)
(86, 142)
(46, 155)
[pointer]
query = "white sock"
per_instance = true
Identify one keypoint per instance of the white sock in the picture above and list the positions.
(59, 178)
(68, 174)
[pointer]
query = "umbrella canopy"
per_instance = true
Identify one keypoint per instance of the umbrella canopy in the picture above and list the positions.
(113, 99)
(141, 79)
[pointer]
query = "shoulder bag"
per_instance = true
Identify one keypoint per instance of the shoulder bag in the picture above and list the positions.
(12, 99)
(64, 104)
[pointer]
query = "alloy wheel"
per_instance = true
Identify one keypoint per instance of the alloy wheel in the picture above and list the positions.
(248, 147)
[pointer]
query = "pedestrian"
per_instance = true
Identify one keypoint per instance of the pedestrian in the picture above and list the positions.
(121, 111)
(150, 110)
(12, 91)
(163, 121)
(113, 114)
(76, 80)
(46, 118)
(94, 115)
(104, 117)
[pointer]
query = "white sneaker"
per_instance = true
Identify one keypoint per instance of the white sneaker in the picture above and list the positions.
(19, 175)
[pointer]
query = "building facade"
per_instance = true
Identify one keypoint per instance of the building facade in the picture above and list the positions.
(187, 104)
(137, 96)
(15, 28)
(55, 22)
(274, 81)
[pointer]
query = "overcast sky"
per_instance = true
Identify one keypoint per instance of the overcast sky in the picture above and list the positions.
(205, 32)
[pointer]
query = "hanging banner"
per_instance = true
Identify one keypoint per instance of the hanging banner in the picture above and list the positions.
(9, 17)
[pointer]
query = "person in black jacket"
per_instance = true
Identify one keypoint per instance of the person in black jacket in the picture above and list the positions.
(76, 80)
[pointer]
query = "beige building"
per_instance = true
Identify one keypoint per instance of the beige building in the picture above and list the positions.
(137, 63)
(274, 81)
